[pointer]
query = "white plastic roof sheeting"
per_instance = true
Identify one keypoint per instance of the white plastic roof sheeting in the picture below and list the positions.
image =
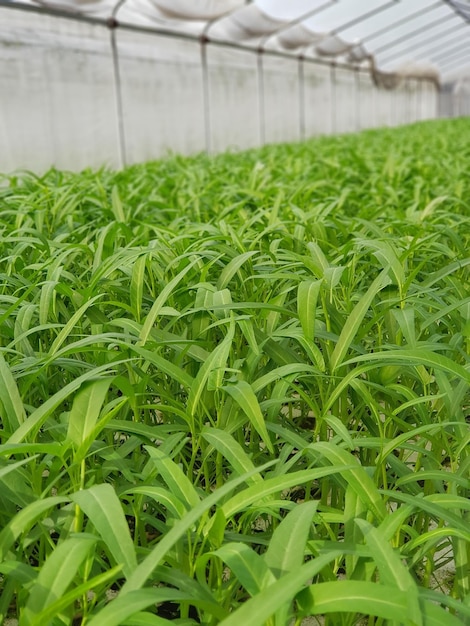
(391, 34)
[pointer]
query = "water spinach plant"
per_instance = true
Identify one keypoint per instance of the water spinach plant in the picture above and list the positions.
(235, 389)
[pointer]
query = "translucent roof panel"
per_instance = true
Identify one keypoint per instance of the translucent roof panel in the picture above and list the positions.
(390, 34)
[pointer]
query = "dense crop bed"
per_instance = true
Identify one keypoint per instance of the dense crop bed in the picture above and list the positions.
(235, 389)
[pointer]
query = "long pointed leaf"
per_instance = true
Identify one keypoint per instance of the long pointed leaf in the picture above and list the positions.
(103, 508)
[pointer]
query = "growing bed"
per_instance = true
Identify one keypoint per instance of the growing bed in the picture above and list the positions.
(235, 389)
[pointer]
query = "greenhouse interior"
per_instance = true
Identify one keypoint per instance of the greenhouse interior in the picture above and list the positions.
(234, 312)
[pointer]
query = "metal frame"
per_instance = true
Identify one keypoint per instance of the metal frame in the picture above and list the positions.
(261, 49)
(422, 44)
(401, 21)
(461, 47)
(364, 17)
(458, 11)
(112, 24)
(413, 33)
(150, 30)
(449, 67)
(118, 87)
(430, 51)
(455, 59)
(107, 23)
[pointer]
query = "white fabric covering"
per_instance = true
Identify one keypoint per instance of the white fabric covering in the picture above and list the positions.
(249, 22)
(298, 36)
(333, 46)
(196, 9)
(97, 8)
(358, 53)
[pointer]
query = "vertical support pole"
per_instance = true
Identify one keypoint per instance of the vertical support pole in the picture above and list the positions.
(333, 98)
(420, 101)
(357, 98)
(409, 101)
(206, 95)
(301, 79)
(122, 152)
(375, 115)
(261, 99)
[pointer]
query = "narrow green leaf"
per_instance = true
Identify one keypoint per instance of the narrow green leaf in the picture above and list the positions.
(415, 357)
(12, 410)
(232, 268)
(177, 481)
(13, 466)
(40, 415)
(258, 609)
(160, 301)
(354, 596)
(406, 321)
(231, 450)
(22, 520)
(392, 571)
(104, 510)
(116, 205)
(20, 572)
(438, 511)
(150, 619)
(55, 449)
(277, 484)
(357, 477)
(355, 319)
(55, 576)
(216, 362)
(246, 326)
(137, 286)
(68, 327)
(119, 610)
(146, 567)
(164, 365)
(248, 566)
(307, 296)
(286, 549)
(246, 399)
(86, 409)
(68, 599)
(170, 501)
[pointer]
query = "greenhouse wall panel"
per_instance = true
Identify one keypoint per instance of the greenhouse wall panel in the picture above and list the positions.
(317, 99)
(366, 101)
(57, 104)
(76, 94)
(400, 106)
(345, 101)
(233, 107)
(162, 96)
(281, 99)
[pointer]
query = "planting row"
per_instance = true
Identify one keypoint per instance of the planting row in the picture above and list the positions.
(235, 389)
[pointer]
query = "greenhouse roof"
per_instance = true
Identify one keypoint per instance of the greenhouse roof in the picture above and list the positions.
(426, 38)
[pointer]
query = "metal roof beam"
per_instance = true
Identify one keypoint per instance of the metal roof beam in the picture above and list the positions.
(455, 64)
(452, 52)
(400, 22)
(458, 11)
(421, 44)
(364, 17)
(413, 33)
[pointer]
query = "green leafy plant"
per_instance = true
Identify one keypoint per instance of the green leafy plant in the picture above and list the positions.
(235, 389)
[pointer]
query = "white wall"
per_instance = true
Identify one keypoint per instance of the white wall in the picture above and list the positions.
(60, 100)
(57, 101)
